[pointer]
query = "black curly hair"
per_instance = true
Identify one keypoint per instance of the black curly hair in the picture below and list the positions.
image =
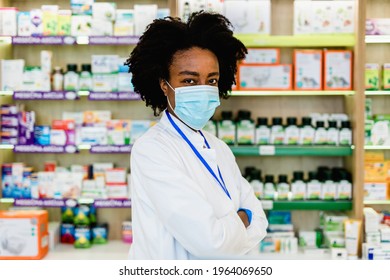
(152, 56)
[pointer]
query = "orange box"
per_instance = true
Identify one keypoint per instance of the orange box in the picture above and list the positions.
(263, 56)
(63, 124)
(265, 77)
(337, 70)
(23, 234)
(308, 70)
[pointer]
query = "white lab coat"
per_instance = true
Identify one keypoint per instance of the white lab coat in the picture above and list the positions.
(179, 211)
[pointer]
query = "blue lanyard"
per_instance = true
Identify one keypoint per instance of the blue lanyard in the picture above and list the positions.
(220, 180)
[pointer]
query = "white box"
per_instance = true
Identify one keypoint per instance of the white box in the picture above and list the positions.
(187, 7)
(11, 72)
(24, 24)
(54, 235)
(46, 63)
(36, 19)
(8, 21)
(385, 234)
(138, 128)
(262, 56)
(116, 175)
(270, 77)
(338, 70)
(94, 135)
(308, 239)
(81, 25)
(124, 23)
(81, 7)
(104, 11)
(308, 70)
(373, 238)
(372, 219)
(375, 191)
(105, 82)
(143, 16)
(104, 64)
(102, 27)
(249, 16)
(117, 190)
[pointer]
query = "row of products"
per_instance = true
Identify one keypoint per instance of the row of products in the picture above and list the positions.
(105, 73)
(315, 129)
(75, 128)
(335, 231)
(323, 184)
(377, 77)
(377, 234)
(311, 70)
(85, 18)
(98, 181)
(376, 176)
(79, 227)
(103, 18)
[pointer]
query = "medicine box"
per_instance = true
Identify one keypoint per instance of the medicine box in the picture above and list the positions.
(338, 70)
(10, 73)
(104, 11)
(375, 191)
(371, 74)
(386, 76)
(8, 21)
(50, 19)
(36, 20)
(265, 77)
(24, 24)
(308, 69)
(143, 16)
(124, 23)
(81, 25)
(262, 56)
(23, 234)
(81, 7)
(378, 26)
(64, 22)
(249, 16)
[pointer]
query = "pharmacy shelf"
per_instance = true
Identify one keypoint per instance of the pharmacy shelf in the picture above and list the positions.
(307, 205)
(69, 149)
(292, 93)
(254, 40)
(377, 148)
(377, 92)
(71, 95)
(376, 202)
(70, 202)
(377, 39)
(270, 150)
(69, 40)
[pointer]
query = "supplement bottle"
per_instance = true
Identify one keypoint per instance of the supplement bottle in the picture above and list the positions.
(85, 80)
(307, 132)
(226, 128)
(57, 79)
(298, 186)
(333, 133)
(263, 132)
(283, 188)
(245, 128)
(269, 187)
(320, 137)
(313, 186)
(257, 183)
(277, 131)
(71, 78)
(345, 134)
(291, 132)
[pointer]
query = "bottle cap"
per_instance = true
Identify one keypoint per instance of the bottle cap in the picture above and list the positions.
(262, 121)
(306, 121)
(277, 121)
(298, 175)
(312, 175)
(346, 124)
(320, 123)
(86, 67)
(269, 178)
(71, 67)
(291, 121)
(248, 171)
(282, 178)
(226, 115)
(243, 115)
(256, 174)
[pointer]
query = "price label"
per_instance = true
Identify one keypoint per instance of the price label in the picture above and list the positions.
(267, 150)
(267, 204)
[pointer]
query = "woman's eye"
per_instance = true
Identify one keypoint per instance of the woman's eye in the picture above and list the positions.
(189, 81)
(213, 82)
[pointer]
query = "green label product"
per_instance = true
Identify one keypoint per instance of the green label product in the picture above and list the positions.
(345, 134)
(372, 76)
(283, 188)
(307, 132)
(277, 132)
(269, 188)
(227, 128)
(321, 135)
(386, 76)
(332, 133)
(263, 132)
(291, 132)
(298, 186)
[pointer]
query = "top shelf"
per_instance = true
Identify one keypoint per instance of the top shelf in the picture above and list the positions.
(377, 39)
(250, 40)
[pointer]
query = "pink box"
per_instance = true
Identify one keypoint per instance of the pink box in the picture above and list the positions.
(378, 26)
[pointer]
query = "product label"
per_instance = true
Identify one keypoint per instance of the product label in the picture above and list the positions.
(333, 136)
(269, 191)
(328, 190)
(258, 187)
(85, 82)
(263, 135)
(226, 132)
(345, 137)
(277, 135)
(386, 76)
(298, 190)
(320, 136)
(245, 132)
(71, 81)
(283, 190)
(306, 135)
(292, 135)
(314, 190)
(344, 190)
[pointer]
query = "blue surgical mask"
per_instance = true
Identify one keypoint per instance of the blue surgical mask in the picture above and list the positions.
(195, 105)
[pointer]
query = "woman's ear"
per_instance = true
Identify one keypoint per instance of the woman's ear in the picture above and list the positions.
(164, 86)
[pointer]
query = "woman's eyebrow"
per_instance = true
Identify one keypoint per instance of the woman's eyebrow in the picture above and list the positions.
(186, 72)
(213, 74)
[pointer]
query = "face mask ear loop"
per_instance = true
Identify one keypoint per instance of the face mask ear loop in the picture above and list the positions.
(167, 96)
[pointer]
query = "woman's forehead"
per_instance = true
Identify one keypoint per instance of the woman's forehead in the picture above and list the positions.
(194, 59)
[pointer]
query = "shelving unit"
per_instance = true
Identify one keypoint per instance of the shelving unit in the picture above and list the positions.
(261, 103)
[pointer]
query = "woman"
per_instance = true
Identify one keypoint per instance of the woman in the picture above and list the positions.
(189, 200)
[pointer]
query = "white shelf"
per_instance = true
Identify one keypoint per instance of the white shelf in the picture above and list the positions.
(377, 39)
(292, 93)
(118, 250)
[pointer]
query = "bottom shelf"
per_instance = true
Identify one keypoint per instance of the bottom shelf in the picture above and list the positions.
(117, 250)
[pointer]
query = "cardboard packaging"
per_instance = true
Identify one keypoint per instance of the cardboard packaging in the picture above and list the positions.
(338, 70)
(262, 56)
(307, 69)
(23, 234)
(372, 76)
(378, 26)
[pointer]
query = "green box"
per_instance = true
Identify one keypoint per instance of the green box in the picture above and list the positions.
(386, 76)
(372, 76)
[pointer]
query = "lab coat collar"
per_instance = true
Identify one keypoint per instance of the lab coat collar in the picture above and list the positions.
(195, 137)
